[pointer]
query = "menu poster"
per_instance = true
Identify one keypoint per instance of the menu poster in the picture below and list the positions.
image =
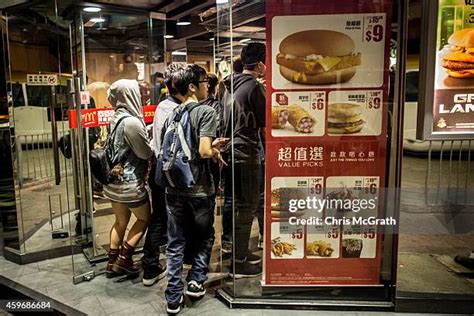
(453, 106)
(326, 150)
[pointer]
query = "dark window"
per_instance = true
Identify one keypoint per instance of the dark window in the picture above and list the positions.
(411, 92)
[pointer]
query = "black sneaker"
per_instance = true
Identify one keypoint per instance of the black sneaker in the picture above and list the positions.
(195, 289)
(253, 259)
(153, 274)
(245, 270)
(175, 308)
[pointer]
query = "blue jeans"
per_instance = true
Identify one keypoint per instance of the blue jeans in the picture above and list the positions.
(193, 217)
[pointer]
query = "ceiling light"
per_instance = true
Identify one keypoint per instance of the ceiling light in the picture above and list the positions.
(168, 36)
(178, 53)
(97, 20)
(92, 9)
(211, 39)
(221, 1)
(245, 40)
(182, 23)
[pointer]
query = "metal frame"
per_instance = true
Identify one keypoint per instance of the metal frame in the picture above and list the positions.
(429, 30)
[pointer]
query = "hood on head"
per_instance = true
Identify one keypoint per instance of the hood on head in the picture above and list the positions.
(125, 94)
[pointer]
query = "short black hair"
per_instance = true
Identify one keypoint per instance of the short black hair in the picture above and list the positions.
(170, 70)
(191, 74)
(212, 82)
(252, 54)
(237, 65)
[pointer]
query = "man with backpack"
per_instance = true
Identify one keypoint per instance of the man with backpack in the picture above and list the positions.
(153, 271)
(246, 127)
(183, 167)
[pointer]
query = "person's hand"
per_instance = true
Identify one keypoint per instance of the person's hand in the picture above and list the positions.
(217, 158)
(218, 143)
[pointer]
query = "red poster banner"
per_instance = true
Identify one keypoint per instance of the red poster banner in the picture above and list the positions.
(102, 116)
(326, 148)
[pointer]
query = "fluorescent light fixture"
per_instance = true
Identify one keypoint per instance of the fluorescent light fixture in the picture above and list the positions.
(168, 36)
(178, 53)
(97, 20)
(182, 23)
(211, 39)
(221, 1)
(92, 9)
(245, 40)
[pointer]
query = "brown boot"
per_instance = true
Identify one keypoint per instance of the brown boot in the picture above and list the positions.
(124, 262)
(113, 255)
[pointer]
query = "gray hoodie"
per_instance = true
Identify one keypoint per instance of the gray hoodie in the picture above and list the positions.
(130, 141)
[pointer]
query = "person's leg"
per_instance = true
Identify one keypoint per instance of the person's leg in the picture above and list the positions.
(156, 226)
(176, 244)
(142, 213)
(227, 209)
(261, 204)
(203, 221)
(246, 198)
(124, 263)
(122, 216)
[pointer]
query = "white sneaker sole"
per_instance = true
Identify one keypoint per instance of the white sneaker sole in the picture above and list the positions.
(242, 276)
(150, 282)
(196, 295)
(177, 310)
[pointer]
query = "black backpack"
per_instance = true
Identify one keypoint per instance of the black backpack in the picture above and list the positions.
(100, 159)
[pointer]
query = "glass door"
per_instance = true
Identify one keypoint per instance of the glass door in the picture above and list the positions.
(38, 64)
(106, 46)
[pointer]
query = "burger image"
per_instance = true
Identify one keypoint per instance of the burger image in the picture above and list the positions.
(459, 60)
(318, 57)
(344, 118)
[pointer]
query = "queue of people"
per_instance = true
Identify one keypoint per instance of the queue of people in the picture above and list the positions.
(187, 160)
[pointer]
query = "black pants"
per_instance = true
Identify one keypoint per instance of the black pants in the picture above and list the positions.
(156, 233)
(246, 196)
(227, 210)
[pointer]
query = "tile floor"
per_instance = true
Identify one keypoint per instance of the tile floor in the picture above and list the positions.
(102, 296)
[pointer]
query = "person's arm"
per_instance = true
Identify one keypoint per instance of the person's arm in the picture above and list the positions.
(258, 100)
(136, 137)
(205, 148)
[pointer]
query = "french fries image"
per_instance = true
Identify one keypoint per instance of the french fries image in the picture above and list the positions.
(280, 248)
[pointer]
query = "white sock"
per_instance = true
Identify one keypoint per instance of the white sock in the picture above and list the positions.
(471, 256)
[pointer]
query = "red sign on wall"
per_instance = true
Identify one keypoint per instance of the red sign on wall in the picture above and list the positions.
(102, 116)
(327, 91)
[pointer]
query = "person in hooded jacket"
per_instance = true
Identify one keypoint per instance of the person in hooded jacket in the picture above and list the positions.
(246, 127)
(130, 145)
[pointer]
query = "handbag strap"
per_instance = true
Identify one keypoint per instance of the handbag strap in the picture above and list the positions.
(112, 136)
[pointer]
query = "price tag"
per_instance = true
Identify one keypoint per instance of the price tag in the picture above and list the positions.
(297, 233)
(374, 100)
(374, 28)
(318, 100)
(316, 186)
(371, 185)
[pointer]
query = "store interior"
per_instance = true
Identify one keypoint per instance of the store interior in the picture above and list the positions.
(49, 235)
